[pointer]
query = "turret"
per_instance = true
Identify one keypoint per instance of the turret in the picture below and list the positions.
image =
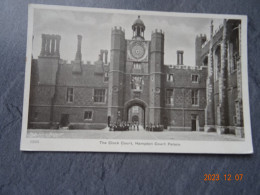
(156, 84)
(116, 74)
(138, 29)
(200, 40)
(157, 51)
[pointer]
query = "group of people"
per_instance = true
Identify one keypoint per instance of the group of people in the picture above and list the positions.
(124, 126)
(153, 127)
(133, 126)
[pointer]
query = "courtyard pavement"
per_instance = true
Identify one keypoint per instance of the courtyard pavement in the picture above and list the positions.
(141, 134)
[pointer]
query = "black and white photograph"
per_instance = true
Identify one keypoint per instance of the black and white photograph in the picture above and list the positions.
(111, 80)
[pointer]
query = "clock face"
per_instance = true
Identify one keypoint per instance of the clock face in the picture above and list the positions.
(137, 50)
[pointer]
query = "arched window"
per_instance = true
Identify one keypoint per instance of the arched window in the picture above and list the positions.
(217, 63)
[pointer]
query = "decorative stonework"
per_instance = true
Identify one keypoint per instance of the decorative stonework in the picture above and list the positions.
(137, 51)
(50, 45)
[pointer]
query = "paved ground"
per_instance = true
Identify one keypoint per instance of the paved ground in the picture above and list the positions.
(141, 134)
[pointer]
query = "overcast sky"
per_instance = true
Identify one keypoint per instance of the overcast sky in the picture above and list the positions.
(180, 32)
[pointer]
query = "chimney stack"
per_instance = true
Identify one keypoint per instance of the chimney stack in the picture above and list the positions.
(78, 54)
(50, 45)
(106, 52)
(57, 51)
(180, 57)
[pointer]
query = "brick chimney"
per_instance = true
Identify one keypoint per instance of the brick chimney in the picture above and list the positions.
(180, 57)
(78, 54)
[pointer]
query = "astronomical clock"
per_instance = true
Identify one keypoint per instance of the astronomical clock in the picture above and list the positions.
(137, 51)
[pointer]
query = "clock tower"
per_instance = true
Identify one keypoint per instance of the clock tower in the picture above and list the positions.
(135, 75)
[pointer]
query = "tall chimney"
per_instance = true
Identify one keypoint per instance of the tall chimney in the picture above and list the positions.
(47, 49)
(180, 57)
(78, 54)
(57, 50)
(101, 55)
(43, 45)
(52, 44)
(106, 52)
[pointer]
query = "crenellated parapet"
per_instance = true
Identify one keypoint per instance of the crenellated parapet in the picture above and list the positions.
(157, 31)
(185, 67)
(50, 45)
(118, 30)
(157, 41)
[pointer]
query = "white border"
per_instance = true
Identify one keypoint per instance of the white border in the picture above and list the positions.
(93, 145)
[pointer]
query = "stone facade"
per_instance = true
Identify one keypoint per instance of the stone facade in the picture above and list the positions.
(222, 55)
(178, 96)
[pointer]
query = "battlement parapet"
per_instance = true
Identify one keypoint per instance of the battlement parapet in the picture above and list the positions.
(118, 29)
(156, 31)
(185, 67)
(202, 36)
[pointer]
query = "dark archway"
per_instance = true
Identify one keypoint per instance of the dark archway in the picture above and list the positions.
(135, 118)
(136, 103)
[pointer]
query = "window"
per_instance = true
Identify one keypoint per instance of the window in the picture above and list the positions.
(195, 97)
(99, 95)
(137, 66)
(170, 77)
(137, 82)
(233, 58)
(88, 115)
(169, 96)
(106, 77)
(234, 120)
(70, 95)
(217, 63)
(235, 61)
(195, 78)
(234, 48)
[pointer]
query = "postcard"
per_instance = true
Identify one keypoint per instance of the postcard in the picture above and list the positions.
(106, 80)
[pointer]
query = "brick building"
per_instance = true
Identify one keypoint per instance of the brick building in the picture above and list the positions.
(136, 85)
(222, 55)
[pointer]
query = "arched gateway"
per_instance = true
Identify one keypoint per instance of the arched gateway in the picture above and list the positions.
(136, 109)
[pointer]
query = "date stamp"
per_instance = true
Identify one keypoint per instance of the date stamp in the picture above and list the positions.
(224, 177)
